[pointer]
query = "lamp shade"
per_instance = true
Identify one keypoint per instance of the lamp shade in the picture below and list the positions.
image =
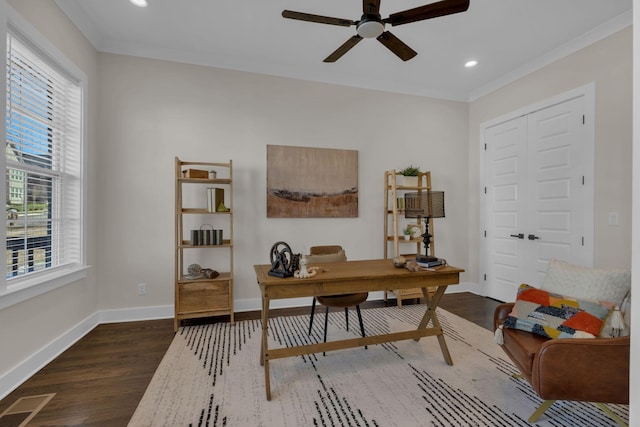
(425, 204)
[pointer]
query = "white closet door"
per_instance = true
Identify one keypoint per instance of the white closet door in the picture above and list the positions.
(506, 188)
(557, 199)
(536, 205)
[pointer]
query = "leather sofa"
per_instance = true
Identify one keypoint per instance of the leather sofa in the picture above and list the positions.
(589, 370)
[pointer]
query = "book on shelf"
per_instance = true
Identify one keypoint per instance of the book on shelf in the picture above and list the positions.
(215, 200)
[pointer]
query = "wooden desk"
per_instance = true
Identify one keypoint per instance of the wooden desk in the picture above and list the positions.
(351, 277)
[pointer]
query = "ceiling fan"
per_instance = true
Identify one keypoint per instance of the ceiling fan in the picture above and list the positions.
(372, 25)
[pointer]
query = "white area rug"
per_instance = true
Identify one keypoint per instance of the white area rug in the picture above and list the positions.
(211, 376)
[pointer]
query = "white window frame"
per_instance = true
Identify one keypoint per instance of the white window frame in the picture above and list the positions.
(31, 286)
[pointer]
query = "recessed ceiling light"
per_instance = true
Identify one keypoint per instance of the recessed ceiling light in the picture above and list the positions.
(471, 63)
(139, 3)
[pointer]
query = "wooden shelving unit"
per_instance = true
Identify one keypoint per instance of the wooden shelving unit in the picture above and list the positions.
(203, 297)
(395, 222)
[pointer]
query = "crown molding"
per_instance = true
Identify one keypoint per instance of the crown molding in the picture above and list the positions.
(600, 32)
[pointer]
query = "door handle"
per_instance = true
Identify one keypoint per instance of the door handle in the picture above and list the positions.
(532, 237)
(519, 236)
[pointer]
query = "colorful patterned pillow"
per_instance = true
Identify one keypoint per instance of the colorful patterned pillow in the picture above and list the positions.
(556, 316)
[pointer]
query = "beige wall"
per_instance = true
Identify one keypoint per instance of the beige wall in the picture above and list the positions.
(152, 111)
(608, 64)
(31, 325)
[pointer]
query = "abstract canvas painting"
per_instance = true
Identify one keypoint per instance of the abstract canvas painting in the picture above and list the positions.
(306, 182)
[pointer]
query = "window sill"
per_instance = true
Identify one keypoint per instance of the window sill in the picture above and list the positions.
(32, 288)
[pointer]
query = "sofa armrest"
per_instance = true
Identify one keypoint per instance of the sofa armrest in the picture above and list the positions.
(593, 370)
(501, 312)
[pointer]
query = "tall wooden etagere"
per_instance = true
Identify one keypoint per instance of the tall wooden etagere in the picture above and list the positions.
(196, 294)
(394, 223)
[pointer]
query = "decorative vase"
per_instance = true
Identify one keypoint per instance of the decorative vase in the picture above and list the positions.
(409, 181)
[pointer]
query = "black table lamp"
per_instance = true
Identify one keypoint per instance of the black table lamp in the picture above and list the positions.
(424, 204)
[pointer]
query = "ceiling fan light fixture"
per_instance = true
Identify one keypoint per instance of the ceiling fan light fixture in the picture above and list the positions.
(139, 3)
(370, 29)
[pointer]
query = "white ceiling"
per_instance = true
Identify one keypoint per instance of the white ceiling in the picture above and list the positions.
(508, 37)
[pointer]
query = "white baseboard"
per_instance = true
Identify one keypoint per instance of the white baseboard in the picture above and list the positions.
(12, 379)
(136, 314)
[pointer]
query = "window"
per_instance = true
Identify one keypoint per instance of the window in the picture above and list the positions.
(43, 164)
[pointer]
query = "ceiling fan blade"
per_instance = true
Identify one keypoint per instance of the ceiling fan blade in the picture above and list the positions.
(346, 46)
(371, 7)
(396, 46)
(433, 10)
(300, 16)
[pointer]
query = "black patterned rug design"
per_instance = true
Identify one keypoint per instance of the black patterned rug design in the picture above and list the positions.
(211, 376)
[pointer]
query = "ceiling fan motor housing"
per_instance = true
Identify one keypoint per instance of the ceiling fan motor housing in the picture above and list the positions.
(370, 26)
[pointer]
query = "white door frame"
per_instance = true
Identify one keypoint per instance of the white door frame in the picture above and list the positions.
(588, 92)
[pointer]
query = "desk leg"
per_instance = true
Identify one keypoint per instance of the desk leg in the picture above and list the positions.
(264, 348)
(430, 314)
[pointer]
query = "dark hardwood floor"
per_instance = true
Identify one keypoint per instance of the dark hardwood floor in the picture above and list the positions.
(100, 379)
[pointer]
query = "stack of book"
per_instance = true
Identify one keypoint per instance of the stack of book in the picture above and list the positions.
(430, 262)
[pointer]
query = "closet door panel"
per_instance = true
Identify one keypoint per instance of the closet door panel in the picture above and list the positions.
(535, 202)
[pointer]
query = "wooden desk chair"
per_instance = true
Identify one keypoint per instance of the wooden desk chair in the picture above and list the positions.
(320, 254)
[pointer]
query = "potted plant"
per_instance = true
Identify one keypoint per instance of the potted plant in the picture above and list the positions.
(410, 176)
(408, 232)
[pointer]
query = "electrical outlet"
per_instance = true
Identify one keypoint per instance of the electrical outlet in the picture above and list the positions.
(142, 288)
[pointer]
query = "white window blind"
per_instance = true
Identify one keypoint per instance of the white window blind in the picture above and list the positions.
(43, 164)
